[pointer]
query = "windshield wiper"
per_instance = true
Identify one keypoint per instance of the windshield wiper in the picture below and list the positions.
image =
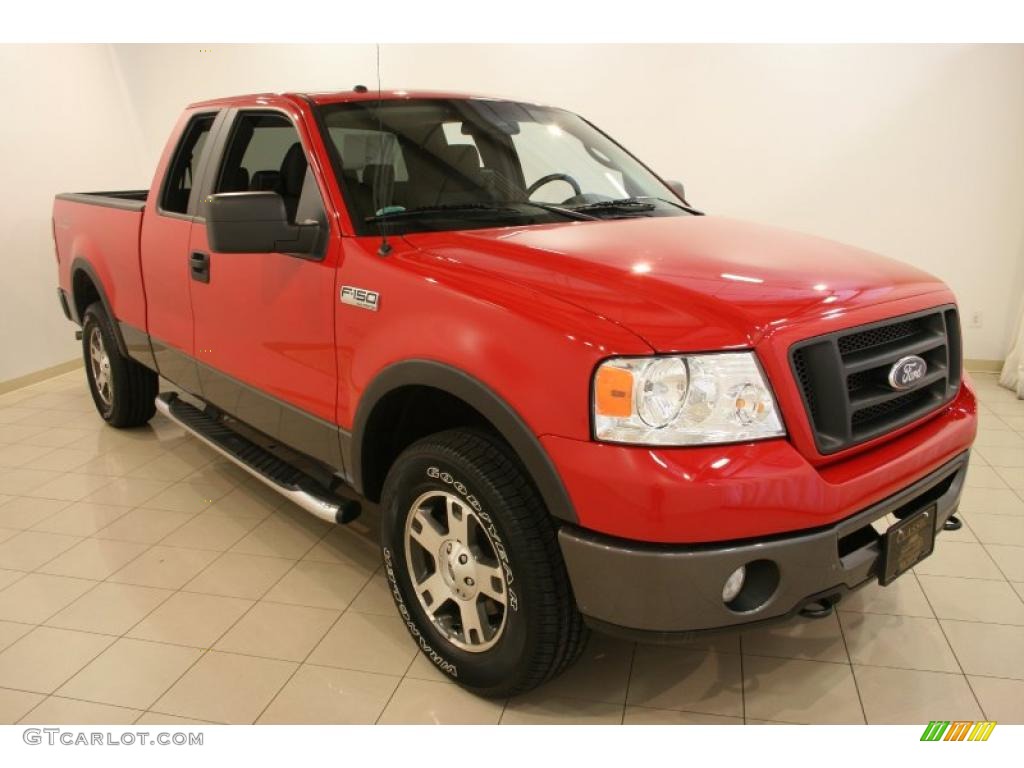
(674, 203)
(572, 213)
(638, 204)
(631, 204)
(428, 210)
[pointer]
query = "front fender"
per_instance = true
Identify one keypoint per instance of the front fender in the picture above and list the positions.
(522, 359)
(509, 424)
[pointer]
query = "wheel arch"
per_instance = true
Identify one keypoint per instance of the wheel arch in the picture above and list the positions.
(368, 462)
(87, 288)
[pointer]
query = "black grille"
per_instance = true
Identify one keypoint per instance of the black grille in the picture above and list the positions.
(803, 376)
(876, 337)
(843, 376)
(884, 410)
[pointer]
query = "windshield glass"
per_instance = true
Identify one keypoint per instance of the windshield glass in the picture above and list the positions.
(441, 164)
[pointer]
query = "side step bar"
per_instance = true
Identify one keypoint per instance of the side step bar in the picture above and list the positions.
(289, 481)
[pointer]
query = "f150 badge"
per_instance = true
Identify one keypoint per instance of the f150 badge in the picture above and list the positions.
(360, 297)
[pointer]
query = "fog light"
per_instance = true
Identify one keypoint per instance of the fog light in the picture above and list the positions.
(734, 584)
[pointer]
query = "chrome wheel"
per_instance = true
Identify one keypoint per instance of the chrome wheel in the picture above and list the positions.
(99, 364)
(455, 571)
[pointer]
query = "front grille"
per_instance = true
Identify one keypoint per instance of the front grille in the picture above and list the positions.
(843, 376)
(876, 337)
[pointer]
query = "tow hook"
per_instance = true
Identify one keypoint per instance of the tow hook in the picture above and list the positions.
(819, 609)
(953, 523)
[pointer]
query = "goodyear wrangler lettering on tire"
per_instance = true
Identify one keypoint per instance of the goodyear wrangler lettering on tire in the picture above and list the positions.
(436, 474)
(445, 666)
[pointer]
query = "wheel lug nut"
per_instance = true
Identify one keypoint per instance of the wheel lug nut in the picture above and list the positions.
(469, 582)
(463, 559)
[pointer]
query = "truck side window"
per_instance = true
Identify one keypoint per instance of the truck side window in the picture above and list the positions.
(264, 154)
(185, 165)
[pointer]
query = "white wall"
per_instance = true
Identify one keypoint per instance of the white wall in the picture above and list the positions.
(66, 127)
(912, 151)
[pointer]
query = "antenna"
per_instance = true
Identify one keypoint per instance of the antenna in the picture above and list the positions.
(385, 246)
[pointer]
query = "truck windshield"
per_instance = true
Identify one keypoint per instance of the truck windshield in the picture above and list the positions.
(444, 164)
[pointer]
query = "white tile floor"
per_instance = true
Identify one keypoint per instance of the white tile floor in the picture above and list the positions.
(143, 579)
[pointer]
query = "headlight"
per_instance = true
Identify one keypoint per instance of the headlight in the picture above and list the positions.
(684, 400)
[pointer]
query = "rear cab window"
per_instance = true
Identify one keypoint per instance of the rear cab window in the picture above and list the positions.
(182, 174)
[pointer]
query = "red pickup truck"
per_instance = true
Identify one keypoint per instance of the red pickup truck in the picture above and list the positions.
(579, 402)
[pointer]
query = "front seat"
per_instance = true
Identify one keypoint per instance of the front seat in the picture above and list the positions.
(462, 182)
(293, 174)
(235, 182)
(380, 179)
(265, 181)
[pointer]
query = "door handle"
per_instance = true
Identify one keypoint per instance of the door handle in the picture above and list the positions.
(199, 264)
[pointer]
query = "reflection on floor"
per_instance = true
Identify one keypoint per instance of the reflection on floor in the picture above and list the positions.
(144, 579)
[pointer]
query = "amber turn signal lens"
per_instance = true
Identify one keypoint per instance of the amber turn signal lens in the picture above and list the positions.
(613, 392)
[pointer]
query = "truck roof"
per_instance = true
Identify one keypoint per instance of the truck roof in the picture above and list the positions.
(335, 97)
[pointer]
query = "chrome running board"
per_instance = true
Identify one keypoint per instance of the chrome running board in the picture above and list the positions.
(290, 481)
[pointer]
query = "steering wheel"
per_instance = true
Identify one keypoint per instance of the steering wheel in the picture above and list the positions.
(554, 177)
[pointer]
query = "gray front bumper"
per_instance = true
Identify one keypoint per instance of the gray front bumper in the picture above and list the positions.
(651, 590)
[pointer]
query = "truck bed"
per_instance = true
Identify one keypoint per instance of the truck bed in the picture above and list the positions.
(101, 230)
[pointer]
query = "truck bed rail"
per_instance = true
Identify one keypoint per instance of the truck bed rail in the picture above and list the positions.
(129, 199)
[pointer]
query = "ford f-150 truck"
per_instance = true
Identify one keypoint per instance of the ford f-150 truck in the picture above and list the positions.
(580, 402)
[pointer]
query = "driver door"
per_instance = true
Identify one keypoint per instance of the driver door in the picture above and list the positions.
(264, 322)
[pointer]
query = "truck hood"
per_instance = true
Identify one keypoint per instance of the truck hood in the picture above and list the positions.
(685, 283)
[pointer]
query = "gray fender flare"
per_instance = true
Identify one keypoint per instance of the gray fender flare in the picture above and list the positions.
(470, 390)
(79, 264)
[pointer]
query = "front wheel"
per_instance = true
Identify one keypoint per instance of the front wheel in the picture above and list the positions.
(123, 390)
(474, 566)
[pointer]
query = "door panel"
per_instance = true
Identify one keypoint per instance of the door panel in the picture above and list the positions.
(264, 322)
(163, 248)
(168, 312)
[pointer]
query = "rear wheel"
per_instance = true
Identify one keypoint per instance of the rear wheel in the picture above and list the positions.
(123, 390)
(474, 566)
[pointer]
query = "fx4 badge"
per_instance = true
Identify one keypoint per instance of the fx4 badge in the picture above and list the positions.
(360, 297)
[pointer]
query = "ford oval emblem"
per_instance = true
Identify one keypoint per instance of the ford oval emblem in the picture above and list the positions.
(907, 371)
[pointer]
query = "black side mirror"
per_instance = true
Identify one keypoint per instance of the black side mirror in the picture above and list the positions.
(677, 187)
(255, 222)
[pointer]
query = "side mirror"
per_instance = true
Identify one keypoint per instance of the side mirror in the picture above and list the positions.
(677, 187)
(255, 222)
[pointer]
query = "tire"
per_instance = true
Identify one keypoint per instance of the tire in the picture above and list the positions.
(509, 537)
(123, 390)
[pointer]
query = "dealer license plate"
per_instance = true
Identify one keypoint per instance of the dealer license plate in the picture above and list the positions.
(907, 543)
